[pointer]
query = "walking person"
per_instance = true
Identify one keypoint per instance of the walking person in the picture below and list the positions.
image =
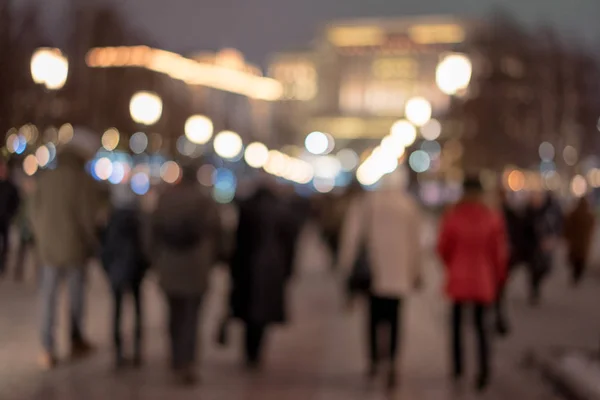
(473, 247)
(542, 230)
(184, 245)
(387, 226)
(260, 268)
(579, 230)
(26, 243)
(125, 264)
(64, 208)
(9, 205)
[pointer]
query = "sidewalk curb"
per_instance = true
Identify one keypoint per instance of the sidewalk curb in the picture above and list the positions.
(562, 381)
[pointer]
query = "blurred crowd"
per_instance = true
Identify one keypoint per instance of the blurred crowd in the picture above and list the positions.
(178, 232)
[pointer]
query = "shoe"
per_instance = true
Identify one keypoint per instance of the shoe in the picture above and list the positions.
(186, 376)
(137, 361)
(392, 380)
(372, 371)
(81, 349)
(502, 329)
(47, 361)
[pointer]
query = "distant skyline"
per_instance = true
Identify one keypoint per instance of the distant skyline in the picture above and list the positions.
(261, 27)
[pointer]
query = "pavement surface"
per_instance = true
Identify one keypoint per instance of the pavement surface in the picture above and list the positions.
(319, 355)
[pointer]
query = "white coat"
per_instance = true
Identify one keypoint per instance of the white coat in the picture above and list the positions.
(389, 222)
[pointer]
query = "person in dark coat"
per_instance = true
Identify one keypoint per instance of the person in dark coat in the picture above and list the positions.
(542, 227)
(260, 268)
(579, 229)
(9, 205)
(125, 264)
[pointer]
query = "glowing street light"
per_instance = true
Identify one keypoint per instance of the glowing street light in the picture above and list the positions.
(256, 155)
(198, 129)
(453, 73)
(405, 132)
(146, 108)
(228, 144)
(49, 67)
(319, 143)
(418, 111)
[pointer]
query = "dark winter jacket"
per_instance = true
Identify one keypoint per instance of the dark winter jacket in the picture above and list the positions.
(122, 255)
(261, 264)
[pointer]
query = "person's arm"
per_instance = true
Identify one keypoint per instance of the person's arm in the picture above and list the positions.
(352, 230)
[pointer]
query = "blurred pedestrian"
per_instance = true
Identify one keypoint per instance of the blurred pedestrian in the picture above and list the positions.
(125, 263)
(260, 268)
(473, 246)
(64, 209)
(9, 205)
(579, 229)
(185, 242)
(26, 243)
(542, 229)
(387, 226)
(514, 222)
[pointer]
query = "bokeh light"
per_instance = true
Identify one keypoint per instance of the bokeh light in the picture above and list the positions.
(319, 143)
(65, 133)
(326, 167)
(146, 108)
(228, 145)
(110, 139)
(579, 186)
(432, 130)
(419, 161)
(140, 183)
(405, 132)
(30, 165)
(453, 73)
(49, 67)
(51, 135)
(205, 175)
(119, 171)
(185, 147)
(547, 151)
(103, 168)
(42, 154)
(256, 155)
(138, 142)
(516, 180)
(170, 172)
(324, 185)
(348, 159)
(418, 111)
(199, 129)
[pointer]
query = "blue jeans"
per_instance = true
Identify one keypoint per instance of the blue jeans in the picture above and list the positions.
(51, 278)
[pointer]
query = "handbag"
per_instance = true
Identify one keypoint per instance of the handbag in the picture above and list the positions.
(361, 276)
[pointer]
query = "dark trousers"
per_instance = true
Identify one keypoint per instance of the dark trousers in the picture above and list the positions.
(578, 268)
(253, 343)
(4, 245)
(383, 313)
(118, 295)
(483, 346)
(183, 329)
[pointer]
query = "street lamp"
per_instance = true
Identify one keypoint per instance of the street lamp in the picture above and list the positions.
(49, 67)
(228, 145)
(418, 111)
(453, 73)
(146, 108)
(198, 129)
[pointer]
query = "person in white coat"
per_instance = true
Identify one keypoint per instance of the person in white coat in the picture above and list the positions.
(389, 223)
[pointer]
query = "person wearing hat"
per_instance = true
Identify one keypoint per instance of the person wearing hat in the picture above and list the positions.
(64, 211)
(473, 247)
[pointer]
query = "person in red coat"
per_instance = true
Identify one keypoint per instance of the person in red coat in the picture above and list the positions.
(473, 248)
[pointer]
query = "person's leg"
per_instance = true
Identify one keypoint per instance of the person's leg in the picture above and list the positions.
(394, 318)
(457, 348)
(80, 347)
(20, 261)
(373, 333)
(138, 326)
(480, 314)
(578, 265)
(49, 293)
(175, 317)
(254, 339)
(500, 311)
(189, 332)
(118, 341)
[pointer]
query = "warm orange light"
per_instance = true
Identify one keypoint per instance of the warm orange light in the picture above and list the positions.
(190, 71)
(516, 181)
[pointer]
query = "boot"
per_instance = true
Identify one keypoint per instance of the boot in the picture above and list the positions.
(81, 348)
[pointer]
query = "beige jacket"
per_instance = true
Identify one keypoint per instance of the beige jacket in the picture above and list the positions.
(391, 224)
(63, 212)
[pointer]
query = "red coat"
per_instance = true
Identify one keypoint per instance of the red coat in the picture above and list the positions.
(473, 247)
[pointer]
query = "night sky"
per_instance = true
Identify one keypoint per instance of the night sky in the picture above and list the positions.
(260, 27)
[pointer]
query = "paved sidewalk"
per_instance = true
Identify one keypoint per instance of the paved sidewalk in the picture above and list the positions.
(318, 356)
